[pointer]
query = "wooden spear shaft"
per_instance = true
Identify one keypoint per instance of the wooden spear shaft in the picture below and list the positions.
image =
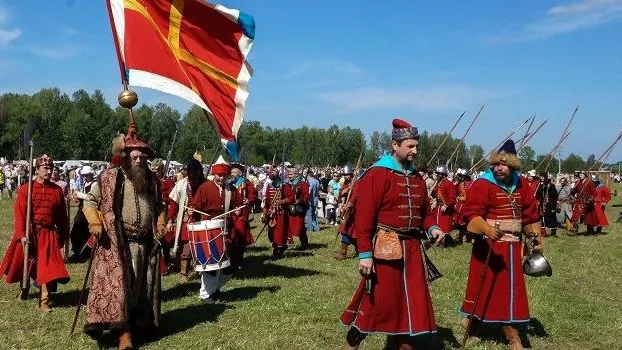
(445, 139)
(521, 144)
(550, 154)
(525, 141)
(465, 135)
(498, 145)
(564, 133)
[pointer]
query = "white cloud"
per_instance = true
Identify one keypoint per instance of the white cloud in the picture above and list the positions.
(54, 53)
(7, 35)
(419, 99)
(564, 19)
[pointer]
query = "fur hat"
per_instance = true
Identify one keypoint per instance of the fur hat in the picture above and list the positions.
(402, 130)
(506, 155)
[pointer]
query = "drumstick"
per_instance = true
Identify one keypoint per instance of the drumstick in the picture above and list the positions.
(216, 217)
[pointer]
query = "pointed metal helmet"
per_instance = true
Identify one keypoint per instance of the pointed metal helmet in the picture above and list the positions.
(442, 169)
(348, 169)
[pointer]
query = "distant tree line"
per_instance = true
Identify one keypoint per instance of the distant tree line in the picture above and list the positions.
(82, 126)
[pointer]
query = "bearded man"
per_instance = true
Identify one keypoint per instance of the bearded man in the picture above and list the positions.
(49, 232)
(393, 297)
(501, 210)
(243, 193)
(278, 196)
(126, 216)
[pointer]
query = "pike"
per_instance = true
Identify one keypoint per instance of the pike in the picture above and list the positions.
(602, 156)
(170, 152)
(574, 113)
(445, 139)
(455, 152)
(550, 154)
(25, 277)
(526, 140)
(499, 144)
(83, 290)
(521, 144)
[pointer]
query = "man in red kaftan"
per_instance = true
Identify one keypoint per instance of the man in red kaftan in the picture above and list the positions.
(393, 297)
(595, 216)
(243, 193)
(442, 205)
(584, 192)
(500, 209)
(298, 210)
(49, 232)
(275, 214)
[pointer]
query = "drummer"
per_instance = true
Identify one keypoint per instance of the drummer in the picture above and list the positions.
(210, 199)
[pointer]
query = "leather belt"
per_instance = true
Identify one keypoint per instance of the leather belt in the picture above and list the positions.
(404, 233)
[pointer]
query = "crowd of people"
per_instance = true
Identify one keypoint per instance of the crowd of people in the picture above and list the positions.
(136, 224)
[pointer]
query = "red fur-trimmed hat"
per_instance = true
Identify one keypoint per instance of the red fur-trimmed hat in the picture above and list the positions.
(220, 167)
(402, 130)
(44, 160)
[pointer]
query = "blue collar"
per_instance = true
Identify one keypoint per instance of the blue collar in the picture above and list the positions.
(488, 175)
(275, 184)
(238, 182)
(388, 162)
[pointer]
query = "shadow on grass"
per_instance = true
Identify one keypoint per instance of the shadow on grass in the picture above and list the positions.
(178, 320)
(181, 290)
(69, 298)
(428, 341)
(534, 328)
(245, 293)
(258, 266)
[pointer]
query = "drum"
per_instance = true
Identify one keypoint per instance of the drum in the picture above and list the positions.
(207, 242)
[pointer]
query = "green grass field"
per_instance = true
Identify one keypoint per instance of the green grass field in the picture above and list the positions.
(295, 303)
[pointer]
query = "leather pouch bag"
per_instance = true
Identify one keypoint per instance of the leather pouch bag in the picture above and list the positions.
(387, 245)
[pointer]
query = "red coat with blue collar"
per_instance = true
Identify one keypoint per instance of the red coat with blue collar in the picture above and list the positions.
(399, 302)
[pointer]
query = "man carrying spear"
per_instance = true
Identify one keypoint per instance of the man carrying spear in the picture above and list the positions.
(49, 231)
(501, 210)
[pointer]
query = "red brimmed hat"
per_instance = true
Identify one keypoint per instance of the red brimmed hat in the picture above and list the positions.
(123, 144)
(402, 130)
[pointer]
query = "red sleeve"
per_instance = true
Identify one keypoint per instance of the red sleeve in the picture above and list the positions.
(62, 219)
(531, 214)
(367, 207)
(288, 195)
(476, 203)
(173, 209)
(199, 200)
(251, 192)
(20, 212)
(305, 196)
(449, 193)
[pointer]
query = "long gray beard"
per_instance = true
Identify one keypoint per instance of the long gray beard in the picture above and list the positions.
(139, 177)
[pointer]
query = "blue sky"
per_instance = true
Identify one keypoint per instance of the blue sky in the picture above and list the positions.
(362, 63)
